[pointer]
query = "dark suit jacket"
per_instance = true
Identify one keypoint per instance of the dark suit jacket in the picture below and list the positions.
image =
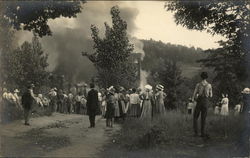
(92, 102)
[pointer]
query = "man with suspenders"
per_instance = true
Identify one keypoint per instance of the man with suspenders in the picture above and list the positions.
(202, 92)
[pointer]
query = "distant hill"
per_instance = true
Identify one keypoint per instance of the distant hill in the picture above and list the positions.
(186, 57)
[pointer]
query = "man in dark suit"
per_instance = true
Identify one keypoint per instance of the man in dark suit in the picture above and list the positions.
(92, 105)
(27, 101)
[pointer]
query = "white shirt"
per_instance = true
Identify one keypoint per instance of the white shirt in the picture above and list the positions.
(134, 98)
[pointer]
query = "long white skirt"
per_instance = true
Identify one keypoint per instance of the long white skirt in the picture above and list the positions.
(224, 110)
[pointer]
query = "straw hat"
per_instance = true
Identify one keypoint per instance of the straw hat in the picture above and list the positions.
(160, 87)
(16, 91)
(246, 91)
(111, 89)
(148, 87)
(121, 89)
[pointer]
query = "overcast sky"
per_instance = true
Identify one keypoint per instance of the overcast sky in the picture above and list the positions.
(145, 19)
(153, 21)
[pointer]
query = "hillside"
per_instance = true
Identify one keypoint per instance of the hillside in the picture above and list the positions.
(186, 57)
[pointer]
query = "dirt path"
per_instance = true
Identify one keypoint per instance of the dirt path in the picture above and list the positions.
(59, 135)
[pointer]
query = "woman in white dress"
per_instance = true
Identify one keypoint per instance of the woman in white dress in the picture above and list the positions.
(224, 112)
(224, 105)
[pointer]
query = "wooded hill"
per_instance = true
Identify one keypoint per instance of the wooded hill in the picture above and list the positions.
(186, 57)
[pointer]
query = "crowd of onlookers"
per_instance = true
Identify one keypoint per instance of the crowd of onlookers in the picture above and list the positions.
(133, 102)
(222, 106)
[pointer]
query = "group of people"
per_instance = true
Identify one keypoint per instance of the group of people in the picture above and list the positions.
(201, 96)
(119, 103)
(113, 103)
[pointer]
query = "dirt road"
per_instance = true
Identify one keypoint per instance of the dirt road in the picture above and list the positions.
(60, 135)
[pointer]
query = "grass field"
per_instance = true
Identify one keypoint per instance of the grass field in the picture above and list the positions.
(172, 136)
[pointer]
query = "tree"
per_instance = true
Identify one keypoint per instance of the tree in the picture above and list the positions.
(112, 53)
(231, 20)
(24, 65)
(34, 15)
(167, 73)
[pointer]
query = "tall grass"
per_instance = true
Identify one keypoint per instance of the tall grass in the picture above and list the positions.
(175, 128)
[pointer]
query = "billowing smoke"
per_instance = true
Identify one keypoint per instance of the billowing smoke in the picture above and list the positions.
(71, 36)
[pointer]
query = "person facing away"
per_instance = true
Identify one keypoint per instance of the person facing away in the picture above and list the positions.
(237, 109)
(110, 113)
(92, 105)
(147, 103)
(27, 101)
(202, 92)
(134, 104)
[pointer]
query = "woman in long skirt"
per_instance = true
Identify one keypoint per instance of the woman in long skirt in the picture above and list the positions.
(121, 102)
(116, 105)
(134, 104)
(224, 112)
(147, 103)
(159, 101)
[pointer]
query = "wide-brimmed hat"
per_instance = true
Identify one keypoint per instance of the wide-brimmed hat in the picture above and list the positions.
(148, 87)
(160, 87)
(111, 89)
(246, 91)
(16, 91)
(121, 89)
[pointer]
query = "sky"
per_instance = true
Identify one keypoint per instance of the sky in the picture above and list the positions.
(153, 21)
(145, 20)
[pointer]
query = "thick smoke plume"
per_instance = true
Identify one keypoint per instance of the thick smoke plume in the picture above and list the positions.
(72, 36)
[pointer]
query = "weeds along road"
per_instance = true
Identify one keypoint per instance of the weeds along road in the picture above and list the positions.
(59, 135)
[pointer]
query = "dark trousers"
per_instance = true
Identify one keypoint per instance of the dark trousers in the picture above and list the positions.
(92, 120)
(78, 106)
(26, 115)
(201, 108)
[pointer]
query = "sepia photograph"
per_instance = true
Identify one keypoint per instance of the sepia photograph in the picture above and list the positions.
(125, 79)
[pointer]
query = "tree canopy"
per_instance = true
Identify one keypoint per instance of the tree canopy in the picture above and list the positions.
(24, 65)
(34, 15)
(231, 20)
(112, 52)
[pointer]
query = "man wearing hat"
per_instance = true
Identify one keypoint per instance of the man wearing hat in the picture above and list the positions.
(92, 105)
(27, 101)
(202, 92)
(244, 137)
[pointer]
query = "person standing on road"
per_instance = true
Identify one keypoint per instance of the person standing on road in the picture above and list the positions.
(202, 92)
(27, 101)
(92, 105)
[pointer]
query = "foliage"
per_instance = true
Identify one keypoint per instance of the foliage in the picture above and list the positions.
(229, 19)
(34, 15)
(24, 65)
(182, 54)
(112, 53)
(168, 74)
